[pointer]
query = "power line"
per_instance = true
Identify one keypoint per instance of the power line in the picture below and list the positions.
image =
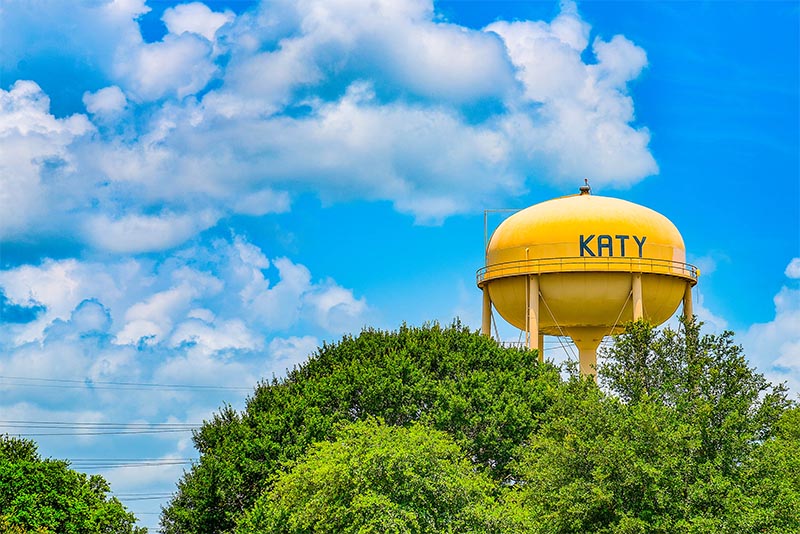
(75, 424)
(116, 463)
(61, 383)
(142, 496)
(105, 433)
(88, 428)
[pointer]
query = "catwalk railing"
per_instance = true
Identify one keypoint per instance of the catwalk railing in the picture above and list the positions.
(587, 264)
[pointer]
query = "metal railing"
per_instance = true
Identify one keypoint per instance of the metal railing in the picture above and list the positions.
(587, 264)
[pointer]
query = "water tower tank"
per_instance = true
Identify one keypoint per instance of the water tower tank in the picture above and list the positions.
(581, 266)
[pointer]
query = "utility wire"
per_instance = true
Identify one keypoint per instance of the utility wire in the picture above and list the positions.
(142, 496)
(99, 384)
(154, 498)
(109, 433)
(115, 463)
(62, 428)
(52, 424)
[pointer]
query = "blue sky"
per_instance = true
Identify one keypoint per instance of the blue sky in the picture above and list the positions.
(200, 194)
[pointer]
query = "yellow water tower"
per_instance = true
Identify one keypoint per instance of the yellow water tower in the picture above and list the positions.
(581, 266)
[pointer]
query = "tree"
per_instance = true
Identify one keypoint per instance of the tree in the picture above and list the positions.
(666, 450)
(488, 398)
(705, 379)
(380, 479)
(769, 500)
(682, 436)
(44, 495)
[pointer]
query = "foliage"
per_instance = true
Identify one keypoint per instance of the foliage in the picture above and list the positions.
(770, 496)
(705, 379)
(668, 450)
(488, 398)
(7, 528)
(43, 495)
(682, 436)
(381, 479)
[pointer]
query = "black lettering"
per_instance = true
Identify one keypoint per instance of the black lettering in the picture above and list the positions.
(584, 247)
(604, 242)
(640, 243)
(622, 239)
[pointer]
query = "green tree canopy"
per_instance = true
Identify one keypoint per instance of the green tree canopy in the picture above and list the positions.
(770, 497)
(44, 495)
(488, 398)
(680, 436)
(375, 478)
(669, 447)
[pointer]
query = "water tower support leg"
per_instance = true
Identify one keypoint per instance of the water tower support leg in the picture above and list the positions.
(638, 307)
(486, 315)
(533, 312)
(688, 309)
(541, 347)
(587, 361)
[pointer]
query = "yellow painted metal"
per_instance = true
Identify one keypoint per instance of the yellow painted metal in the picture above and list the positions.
(599, 262)
(688, 307)
(541, 347)
(636, 292)
(533, 312)
(486, 314)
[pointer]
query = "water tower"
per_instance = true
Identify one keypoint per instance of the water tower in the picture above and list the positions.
(581, 266)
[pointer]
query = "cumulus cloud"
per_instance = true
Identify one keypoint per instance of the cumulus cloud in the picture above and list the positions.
(793, 269)
(108, 100)
(293, 350)
(107, 330)
(141, 233)
(775, 345)
(177, 66)
(169, 301)
(36, 148)
(195, 18)
(583, 125)
(233, 114)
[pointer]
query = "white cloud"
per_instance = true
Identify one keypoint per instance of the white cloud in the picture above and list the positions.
(195, 18)
(169, 302)
(59, 286)
(619, 61)
(232, 334)
(134, 321)
(336, 309)
(177, 66)
(153, 317)
(291, 351)
(29, 411)
(547, 66)
(709, 262)
(583, 126)
(351, 100)
(443, 61)
(793, 269)
(419, 158)
(162, 474)
(140, 233)
(36, 146)
(263, 202)
(108, 100)
(775, 346)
